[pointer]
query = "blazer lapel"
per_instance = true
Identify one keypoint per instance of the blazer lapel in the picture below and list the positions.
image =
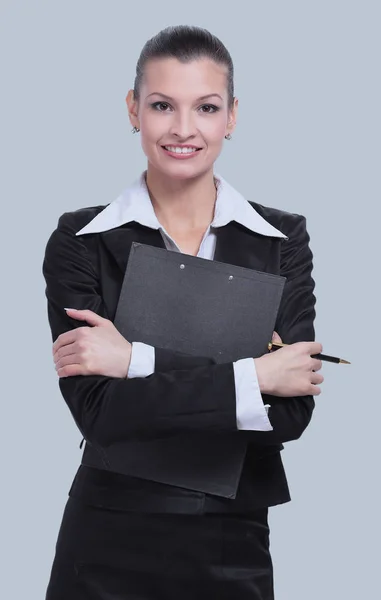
(118, 241)
(242, 247)
(235, 245)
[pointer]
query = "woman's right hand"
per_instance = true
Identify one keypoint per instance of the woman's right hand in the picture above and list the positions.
(291, 370)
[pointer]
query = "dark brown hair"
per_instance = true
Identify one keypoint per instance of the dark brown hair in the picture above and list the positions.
(186, 43)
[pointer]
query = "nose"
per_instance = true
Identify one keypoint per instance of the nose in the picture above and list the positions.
(183, 125)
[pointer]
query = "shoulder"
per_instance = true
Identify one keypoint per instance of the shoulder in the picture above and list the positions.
(296, 249)
(74, 220)
(69, 223)
(287, 222)
(63, 241)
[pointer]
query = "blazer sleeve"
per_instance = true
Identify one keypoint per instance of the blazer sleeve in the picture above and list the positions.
(289, 416)
(195, 395)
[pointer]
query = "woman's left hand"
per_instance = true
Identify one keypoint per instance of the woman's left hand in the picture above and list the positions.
(96, 350)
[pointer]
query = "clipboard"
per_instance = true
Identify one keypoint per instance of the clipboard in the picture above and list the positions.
(202, 308)
(197, 306)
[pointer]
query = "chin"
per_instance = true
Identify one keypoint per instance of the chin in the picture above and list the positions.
(184, 171)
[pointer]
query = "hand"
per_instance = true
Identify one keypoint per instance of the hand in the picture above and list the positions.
(96, 350)
(276, 338)
(291, 370)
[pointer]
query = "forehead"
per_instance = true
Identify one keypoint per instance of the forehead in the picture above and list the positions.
(172, 77)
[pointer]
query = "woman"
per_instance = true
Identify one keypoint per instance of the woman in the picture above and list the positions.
(129, 537)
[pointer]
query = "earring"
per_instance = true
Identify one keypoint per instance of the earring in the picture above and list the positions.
(228, 136)
(135, 130)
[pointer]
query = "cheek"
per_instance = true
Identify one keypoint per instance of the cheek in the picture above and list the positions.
(151, 126)
(151, 131)
(214, 129)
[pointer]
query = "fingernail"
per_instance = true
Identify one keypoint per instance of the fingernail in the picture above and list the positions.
(70, 309)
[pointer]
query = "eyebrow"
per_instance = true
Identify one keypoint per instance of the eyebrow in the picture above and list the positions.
(198, 99)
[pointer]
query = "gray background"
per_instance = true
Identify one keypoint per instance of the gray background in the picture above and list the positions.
(307, 141)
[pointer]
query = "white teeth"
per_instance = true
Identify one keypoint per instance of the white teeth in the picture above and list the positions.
(180, 150)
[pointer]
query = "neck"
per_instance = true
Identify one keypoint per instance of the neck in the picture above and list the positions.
(182, 204)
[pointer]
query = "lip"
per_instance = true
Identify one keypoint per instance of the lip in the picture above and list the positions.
(179, 156)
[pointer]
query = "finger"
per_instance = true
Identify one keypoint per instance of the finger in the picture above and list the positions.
(276, 337)
(69, 337)
(70, 359)
(71, 371)
(310, 347)
(86, 315)
(315, 348)
(316, 378)
(316, 364)
(65, 338)
(315, 390)
(69, 350)
(65, 350)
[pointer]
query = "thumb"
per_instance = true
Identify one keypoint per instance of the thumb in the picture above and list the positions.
(86, 315)
(276, 337)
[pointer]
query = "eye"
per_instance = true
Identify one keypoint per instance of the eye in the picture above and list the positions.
(210, 108)
(160, 106)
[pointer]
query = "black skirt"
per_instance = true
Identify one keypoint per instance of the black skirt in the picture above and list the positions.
(104, 554)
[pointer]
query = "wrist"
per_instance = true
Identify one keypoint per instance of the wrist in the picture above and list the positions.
(264, 381)
(127, 360)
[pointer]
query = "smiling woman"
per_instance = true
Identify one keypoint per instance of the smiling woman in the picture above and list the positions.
(127, 537)
(184, 110)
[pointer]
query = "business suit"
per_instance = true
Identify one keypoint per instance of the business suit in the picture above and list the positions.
(87, 273)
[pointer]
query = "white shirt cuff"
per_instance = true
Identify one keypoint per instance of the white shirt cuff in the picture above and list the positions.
(142, 361)
(251, 412)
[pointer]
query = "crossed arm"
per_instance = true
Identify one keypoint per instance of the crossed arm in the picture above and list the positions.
(184, 393)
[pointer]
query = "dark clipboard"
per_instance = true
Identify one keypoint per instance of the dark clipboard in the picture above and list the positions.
(197, 306)
(202, 308)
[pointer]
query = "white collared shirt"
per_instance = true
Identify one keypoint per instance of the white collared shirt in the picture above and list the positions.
(134, 204)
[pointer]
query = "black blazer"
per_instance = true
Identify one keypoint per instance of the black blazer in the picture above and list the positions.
(185, 394)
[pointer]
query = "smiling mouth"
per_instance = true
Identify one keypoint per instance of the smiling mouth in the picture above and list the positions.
(181, 150)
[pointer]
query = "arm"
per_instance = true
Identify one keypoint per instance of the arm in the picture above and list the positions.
(251, 412)
(290, 416)
(146, 359)
(106, 409)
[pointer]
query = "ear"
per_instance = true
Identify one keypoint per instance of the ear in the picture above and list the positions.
(132, 107)
(232, 119)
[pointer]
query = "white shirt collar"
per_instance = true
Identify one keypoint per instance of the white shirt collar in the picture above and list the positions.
(134, 204)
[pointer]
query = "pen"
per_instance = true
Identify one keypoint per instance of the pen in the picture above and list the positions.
(333, 359)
